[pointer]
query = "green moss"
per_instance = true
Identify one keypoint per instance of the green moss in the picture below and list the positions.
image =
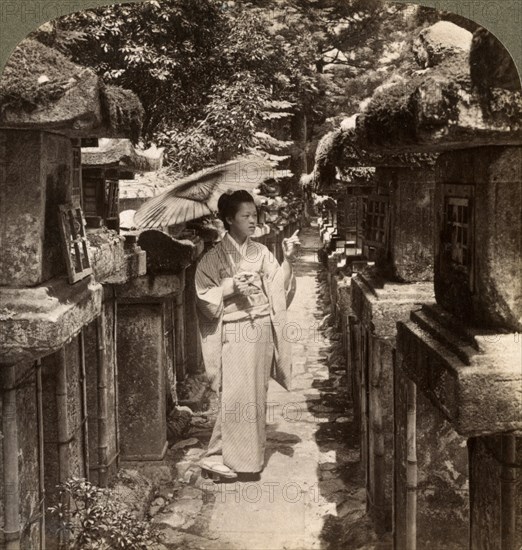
(19, 86)
(327, 156)
(122, 111)
(392, 113)
(506, 107)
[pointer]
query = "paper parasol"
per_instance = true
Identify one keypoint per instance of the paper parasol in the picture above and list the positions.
(196, 195)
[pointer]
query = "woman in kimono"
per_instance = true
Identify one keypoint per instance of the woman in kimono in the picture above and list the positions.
(242, 297)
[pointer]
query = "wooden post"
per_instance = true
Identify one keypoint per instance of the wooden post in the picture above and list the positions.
(63, 419)
(41, 471)
(192, 343)
(508, 492)
(102, 402)
(63, 432)
(11, 474)
(116, 391)
(379, 461)
(411, 468)
(364, 404)
(85, 424)
(181, 361)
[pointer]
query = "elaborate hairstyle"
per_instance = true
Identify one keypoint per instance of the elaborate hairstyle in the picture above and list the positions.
(228, 204)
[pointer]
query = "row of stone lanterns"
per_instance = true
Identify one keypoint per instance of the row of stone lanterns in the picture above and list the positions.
(429, 304)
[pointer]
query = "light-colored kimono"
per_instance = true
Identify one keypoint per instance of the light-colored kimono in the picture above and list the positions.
(225, 260)
(243, 343)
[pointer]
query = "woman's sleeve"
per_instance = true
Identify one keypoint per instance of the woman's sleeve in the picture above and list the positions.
(209, 293)
(274, 271)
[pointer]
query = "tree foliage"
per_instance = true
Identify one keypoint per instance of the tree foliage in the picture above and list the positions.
(205, 70)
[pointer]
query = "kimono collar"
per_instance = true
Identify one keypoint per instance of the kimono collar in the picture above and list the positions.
(242, 249)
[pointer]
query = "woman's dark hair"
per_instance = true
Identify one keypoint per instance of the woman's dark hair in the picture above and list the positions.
(228, 204)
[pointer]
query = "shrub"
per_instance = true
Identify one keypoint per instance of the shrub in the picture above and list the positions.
(90, 519)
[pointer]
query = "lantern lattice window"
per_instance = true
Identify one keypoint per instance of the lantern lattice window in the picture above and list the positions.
(112, 202)
(457, 230)
(457, 222)
(74, 242)
(100, 197)
(376, 221)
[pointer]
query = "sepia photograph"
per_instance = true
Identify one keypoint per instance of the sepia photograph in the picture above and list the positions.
(260, 275)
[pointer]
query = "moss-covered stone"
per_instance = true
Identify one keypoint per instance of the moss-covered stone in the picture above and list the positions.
(35, 76)
(42, 89)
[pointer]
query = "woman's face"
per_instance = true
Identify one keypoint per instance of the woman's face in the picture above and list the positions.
(245, 221)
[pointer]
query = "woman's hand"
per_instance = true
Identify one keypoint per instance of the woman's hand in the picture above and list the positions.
(244, 283)
(291, 247)
(240, 284)
(227, 284)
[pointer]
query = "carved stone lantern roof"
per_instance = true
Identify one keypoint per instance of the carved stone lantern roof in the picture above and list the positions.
(41, 89)
(456, 100)
(122, 153)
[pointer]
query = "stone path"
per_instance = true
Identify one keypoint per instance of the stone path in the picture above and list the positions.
(311, 493)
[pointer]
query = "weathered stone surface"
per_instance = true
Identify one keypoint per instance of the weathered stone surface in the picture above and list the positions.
(439, 41)
(180, 514)
(35, 179)
(27, 425)
(487, 288)
(380, 306)
(76, 112)
(74, 100)
(67, 362)
(106, 251)
(377, 307)
(150, 286)
(142, 391)
(440, 471)
(166, 254)
(495, 463)
(38, 321)
(123, 153)
(473, 377)
(439, 109)
(412, 207)
(134, 265)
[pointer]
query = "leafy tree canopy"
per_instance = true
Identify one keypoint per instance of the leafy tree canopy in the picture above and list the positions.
(207, 71)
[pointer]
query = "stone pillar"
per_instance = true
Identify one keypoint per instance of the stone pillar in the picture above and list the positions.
(142, 363)
(430, 470)
(142, 392)
(180, 333)
(192, 342)
(35, 177)
(377, 307)
(496, 492)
